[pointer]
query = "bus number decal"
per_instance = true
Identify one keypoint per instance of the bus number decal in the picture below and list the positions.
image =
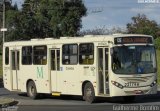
(39, 72)
(131, 84)
(69, 68)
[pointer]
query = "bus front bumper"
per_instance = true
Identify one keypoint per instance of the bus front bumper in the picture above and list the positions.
(133, 91)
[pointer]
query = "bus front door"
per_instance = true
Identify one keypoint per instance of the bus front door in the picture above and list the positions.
(55, 67)
(15, 68)
(103, 77)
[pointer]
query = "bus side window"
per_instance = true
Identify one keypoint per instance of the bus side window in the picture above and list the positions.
(6, 55)
(40, 55)
(86, 53)
(70, 54)
(27, 55)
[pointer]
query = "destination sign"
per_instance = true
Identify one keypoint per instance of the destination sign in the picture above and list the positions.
(131, 40)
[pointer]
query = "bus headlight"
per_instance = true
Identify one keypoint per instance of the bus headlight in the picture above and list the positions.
(117, 84)
(153, 83)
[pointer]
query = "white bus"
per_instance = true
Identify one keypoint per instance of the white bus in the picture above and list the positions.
(91, 66)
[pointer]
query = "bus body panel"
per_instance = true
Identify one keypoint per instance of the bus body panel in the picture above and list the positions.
(69, 79)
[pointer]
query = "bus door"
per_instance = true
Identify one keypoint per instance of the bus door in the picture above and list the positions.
(15, 68)
(103, 76)
(55, 67)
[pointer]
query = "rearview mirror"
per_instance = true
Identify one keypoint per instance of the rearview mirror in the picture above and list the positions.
(111, 51)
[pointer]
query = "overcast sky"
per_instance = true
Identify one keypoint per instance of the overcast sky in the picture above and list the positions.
(115, 13)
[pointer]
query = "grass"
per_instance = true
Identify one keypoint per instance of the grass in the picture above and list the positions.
(158, 65)
(5, 100)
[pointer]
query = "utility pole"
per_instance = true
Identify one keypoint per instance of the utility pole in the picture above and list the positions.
(95, 10)
(3, 29)
(4, 21)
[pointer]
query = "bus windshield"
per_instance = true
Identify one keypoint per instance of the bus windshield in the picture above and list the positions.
(134, 59)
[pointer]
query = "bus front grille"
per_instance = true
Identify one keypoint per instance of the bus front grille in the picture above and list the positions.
(136, 79)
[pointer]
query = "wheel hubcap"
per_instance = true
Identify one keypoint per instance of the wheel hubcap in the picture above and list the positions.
(32, 90)
(89, 93)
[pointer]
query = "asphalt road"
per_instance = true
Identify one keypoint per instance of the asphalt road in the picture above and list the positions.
(73, 103)
(63, 108)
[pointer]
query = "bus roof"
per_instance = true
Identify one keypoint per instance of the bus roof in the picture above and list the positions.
(84, 39)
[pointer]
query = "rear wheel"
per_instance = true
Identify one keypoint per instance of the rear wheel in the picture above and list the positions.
(31, 90)
(89, 94)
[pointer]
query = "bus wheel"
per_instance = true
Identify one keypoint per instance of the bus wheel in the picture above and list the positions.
(89, 94)
(129, 99)
(31, 90)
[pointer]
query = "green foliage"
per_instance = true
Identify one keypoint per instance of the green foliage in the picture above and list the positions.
(142, 25)
(158, 65)
(8, 6)
(12, 22)
(157, 43)
(45, 18)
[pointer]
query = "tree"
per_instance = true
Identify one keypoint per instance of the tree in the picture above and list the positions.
(9, 13)
(142, 25)
(12, 21)
(157, 43)
(51, 18)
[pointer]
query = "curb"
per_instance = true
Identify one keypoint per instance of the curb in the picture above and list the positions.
(9, 102)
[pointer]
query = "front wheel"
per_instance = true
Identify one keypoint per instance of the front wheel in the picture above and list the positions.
(31, 90)
(89, 94)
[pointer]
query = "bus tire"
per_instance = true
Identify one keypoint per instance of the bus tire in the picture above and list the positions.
(89, 94)
(129, 99)
(31, 90)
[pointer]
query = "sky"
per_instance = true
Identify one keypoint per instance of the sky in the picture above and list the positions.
(116, 13)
